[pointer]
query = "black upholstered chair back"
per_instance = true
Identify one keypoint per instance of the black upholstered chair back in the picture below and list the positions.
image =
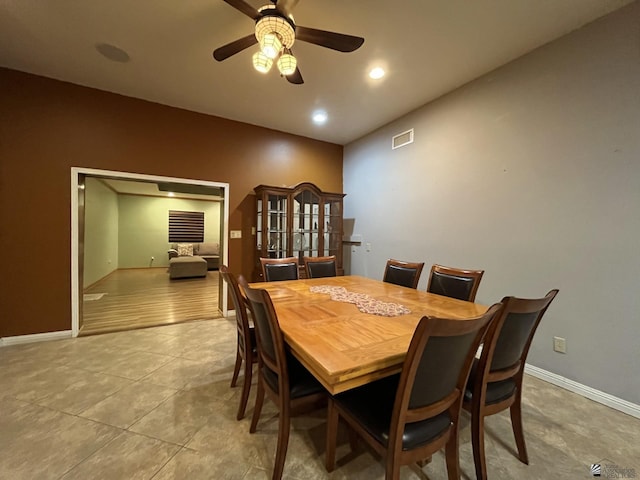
(271, 353)
(320, 267)
(405, 274)
(440, 357)
(275, 270)
(516, 330)
(454, 282)
(449, 354)
(513, 339)
(451, 286)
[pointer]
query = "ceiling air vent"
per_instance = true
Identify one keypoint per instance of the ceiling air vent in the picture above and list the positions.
(402, 139)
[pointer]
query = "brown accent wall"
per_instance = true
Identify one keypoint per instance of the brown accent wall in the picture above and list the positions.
(48, 126)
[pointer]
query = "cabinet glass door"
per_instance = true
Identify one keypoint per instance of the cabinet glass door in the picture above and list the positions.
(306, 215)
(333, 227)
(275, 233)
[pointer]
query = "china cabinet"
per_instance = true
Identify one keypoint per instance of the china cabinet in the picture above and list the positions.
(297, 222)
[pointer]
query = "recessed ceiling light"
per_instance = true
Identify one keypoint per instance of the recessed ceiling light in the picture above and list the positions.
(376, 73)
(170, 194)
(319, 117)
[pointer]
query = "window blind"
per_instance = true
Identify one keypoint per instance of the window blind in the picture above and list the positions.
(186, 227)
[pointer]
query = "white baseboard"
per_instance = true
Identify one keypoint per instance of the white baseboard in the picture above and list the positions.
(36, 337)
(587, 392)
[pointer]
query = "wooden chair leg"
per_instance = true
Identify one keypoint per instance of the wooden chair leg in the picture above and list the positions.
(392, 467)
(518, 430)
(477, 441)
(246, 386)
(258, 408)
(452, 454)
(236, 368)
(332, 436)
(283, 442)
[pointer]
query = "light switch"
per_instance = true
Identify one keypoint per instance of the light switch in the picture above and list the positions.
(235, 234)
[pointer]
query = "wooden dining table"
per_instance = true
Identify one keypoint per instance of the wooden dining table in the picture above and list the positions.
(344, 347)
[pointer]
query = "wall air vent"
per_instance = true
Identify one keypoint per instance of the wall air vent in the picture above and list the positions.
(402, 139)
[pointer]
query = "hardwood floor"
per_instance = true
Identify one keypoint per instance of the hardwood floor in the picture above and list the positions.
(146, 297)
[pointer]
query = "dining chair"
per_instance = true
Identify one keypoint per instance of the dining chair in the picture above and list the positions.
(454, 282)
(408, 417)
(280, 375)
(276, 269)
(246, 351)
(319, 267)
(495, 383)
(405, 274)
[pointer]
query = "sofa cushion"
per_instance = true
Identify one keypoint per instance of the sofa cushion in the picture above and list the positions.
(209, 248)
(185, 249)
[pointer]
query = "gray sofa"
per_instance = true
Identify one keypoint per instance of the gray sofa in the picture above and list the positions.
(209, 251)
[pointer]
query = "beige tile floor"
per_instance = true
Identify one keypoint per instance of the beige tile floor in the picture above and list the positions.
(156, 403)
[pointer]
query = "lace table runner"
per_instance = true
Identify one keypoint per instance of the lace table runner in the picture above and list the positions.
(364, 302)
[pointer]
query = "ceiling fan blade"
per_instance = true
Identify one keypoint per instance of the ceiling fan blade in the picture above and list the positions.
(244, 7)
(232, 48)
(286, 6)
(335, 41)
(295, 77)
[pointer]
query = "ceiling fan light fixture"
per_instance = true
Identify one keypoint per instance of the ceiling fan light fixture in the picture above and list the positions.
(273, 23)
(261, 62)
(275, 32)
(271, 45)
(287, 63)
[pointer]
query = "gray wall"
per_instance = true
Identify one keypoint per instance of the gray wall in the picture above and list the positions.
(101, 231)
(532, 173)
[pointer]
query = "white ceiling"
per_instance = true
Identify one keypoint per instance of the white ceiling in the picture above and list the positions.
(428, 47)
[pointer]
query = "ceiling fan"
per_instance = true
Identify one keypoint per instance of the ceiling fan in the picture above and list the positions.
(276, 32)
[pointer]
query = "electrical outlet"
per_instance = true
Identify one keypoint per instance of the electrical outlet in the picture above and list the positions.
(559, 345)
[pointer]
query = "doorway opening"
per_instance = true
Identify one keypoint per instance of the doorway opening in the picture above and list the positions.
(109, 268)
